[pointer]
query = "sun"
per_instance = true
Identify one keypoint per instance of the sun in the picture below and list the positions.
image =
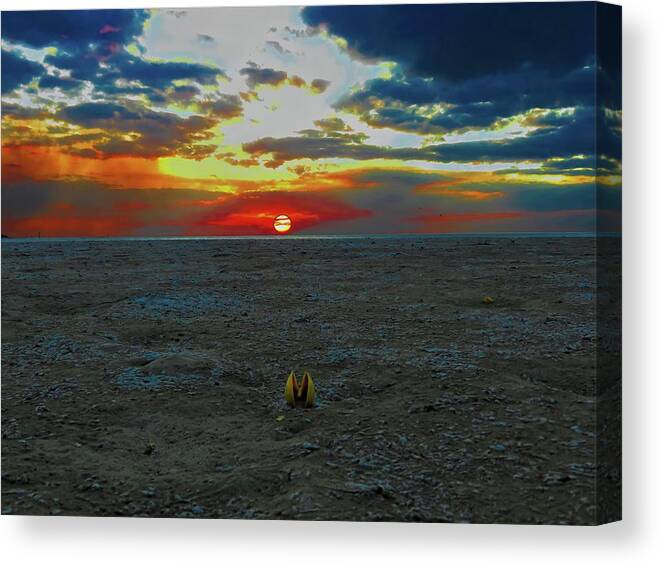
(282, 223)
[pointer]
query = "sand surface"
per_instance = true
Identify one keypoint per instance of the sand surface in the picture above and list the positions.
(145, 378)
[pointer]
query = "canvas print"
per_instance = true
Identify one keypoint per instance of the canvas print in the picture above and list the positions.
(313, 263)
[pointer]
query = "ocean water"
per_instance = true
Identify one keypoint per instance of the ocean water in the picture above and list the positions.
(497, 235)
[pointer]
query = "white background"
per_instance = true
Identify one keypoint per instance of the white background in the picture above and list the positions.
(634, 540)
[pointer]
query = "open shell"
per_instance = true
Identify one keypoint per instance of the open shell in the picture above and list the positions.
(300, 394)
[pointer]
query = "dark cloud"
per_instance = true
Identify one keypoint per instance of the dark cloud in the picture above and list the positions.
(573, 166)
(609, 52)
(256, 76)
(82, 66)
(232, 159)
(97, 114)
(160, 74)
(152, 134)
(189, 96)
(72, 30)
(334, 128)
(279, 48)
(183, 93)
(63, 83)
(319, 85)
(343, 137)
(462, 41)
(403, 102)
(473, 66)
(91, 46)
(17, 70)
(20, 135)
(124, 73)
(205, 38)
(573, 136)
(314, 145)
(332, 124)
(128, 127)
(225, 106)
(298, 33)
(19, 112)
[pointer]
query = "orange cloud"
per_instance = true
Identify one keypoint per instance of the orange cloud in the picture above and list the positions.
(62, 220)
(253, 213)
(478, 195)
(445, 185)
(46, 163)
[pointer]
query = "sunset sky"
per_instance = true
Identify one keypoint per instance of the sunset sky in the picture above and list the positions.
(364, 119)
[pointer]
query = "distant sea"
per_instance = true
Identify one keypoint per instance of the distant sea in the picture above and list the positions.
(500, 235)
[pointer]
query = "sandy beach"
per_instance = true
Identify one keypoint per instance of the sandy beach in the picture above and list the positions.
(145, 378)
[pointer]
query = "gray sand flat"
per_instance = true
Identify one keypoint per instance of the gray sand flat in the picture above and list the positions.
(146, 379)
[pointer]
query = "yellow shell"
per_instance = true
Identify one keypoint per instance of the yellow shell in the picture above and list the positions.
(300, 394)
(487, 300)
(290, 389)
(307, 390)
